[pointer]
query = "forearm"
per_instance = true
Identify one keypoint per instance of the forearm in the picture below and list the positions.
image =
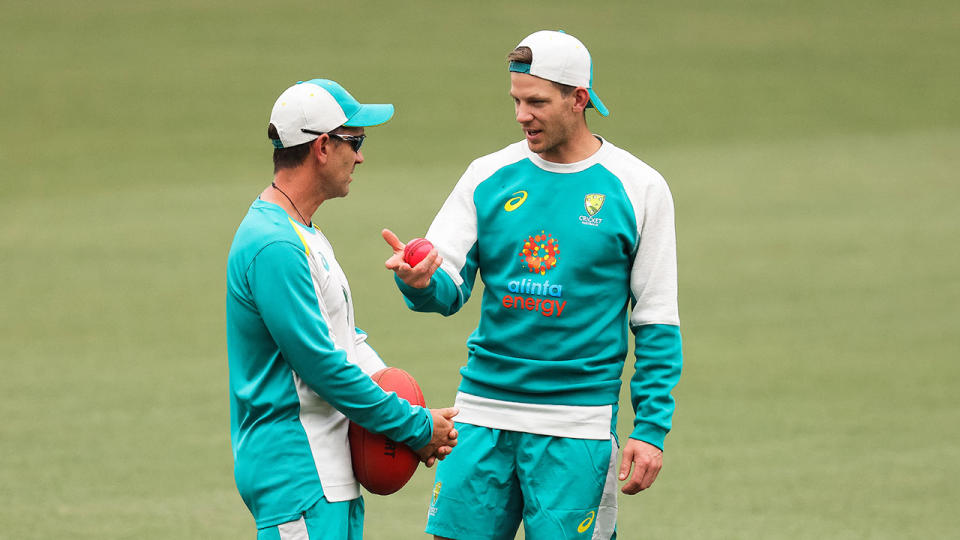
(659, 361)
(364, 402)
(440, 296)
(293, 314)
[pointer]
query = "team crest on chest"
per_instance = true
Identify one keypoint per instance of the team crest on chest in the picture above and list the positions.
(592, 202)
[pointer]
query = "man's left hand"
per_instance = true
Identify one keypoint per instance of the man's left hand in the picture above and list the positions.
(645, 460)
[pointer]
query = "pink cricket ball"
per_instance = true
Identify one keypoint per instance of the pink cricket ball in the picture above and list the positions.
(416, 250)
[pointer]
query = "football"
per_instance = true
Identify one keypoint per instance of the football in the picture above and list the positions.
(383, 466)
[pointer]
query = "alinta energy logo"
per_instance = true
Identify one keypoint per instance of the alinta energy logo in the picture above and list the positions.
(539, 254)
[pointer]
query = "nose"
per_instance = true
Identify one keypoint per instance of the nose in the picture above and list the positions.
(358, 156)
(523, 115)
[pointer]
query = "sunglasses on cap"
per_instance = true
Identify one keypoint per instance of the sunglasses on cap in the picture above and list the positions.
(355, 141)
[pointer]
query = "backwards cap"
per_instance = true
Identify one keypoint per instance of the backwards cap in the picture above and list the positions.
(561, 58)
(320, 105)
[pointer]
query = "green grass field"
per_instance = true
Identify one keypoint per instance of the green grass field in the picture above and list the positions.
(812, 149)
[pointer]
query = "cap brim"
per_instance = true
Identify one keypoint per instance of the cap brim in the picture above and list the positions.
(370, 115)
(595, 101)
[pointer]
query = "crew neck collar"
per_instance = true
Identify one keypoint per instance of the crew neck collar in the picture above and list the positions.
(574, 167)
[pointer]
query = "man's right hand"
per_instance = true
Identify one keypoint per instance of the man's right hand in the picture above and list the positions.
(415, 276)
(444, 436)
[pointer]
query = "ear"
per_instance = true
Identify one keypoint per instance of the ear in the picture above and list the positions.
(320, 149)
(581, 97)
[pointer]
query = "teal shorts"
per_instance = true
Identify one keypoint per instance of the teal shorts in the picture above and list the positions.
(324, 520)
(560, 488)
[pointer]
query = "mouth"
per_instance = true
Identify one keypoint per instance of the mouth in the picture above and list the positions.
(532, 133)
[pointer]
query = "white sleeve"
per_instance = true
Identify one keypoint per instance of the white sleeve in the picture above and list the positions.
(653, 279)
(454, 229)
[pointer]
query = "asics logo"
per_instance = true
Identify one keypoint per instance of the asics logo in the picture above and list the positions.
(515, 202)
(585, 524)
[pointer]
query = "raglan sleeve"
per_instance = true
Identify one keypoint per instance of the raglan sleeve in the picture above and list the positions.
(279, 278)
(454, 234)
(654, 318)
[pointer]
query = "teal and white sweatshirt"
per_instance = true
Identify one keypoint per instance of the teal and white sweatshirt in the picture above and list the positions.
(299, 368)
(570, 255)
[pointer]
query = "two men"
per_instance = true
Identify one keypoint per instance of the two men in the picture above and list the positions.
(574, 240)
(299, 367)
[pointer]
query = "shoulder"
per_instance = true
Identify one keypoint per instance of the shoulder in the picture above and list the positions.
(486, 166)
(264, 225)
(630, 169)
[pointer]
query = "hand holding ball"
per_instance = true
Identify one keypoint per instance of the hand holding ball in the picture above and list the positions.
(416, 250)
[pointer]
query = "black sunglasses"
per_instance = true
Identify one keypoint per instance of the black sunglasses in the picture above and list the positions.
(355, 141)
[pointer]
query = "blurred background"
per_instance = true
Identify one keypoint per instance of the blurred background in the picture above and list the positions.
(811, 147)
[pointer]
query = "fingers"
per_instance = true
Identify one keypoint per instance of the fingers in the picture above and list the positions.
(392, 240)
(417, 276)
(395, 260)
(649, 477)
(645, 461)
(444, 432)
(430, 453)
(439, 454)
(642, 478)
(449, 413)
(429, 264)
(626, 462)
(636, 479)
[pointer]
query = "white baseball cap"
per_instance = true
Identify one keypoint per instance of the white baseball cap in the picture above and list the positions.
(309, 108)
(562, 58)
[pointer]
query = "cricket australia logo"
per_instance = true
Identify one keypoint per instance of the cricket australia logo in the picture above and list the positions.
(436, 493)
(433, 500)
(592, 203)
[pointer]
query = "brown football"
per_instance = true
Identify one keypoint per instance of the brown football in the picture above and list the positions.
(381, 465)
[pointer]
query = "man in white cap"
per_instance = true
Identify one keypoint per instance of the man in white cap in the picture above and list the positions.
(299, 367)
(573, 238)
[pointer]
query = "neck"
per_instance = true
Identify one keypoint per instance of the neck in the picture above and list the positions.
(578, 147)
(291, 194)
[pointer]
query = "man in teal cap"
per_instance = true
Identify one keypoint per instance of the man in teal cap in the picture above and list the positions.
(299, 366)
(574, 240)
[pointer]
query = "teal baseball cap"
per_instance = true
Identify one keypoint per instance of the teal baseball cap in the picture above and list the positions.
(561, 58)
(321, 105)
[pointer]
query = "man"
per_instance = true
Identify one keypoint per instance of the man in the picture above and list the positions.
(573, 238)
(299, 367)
